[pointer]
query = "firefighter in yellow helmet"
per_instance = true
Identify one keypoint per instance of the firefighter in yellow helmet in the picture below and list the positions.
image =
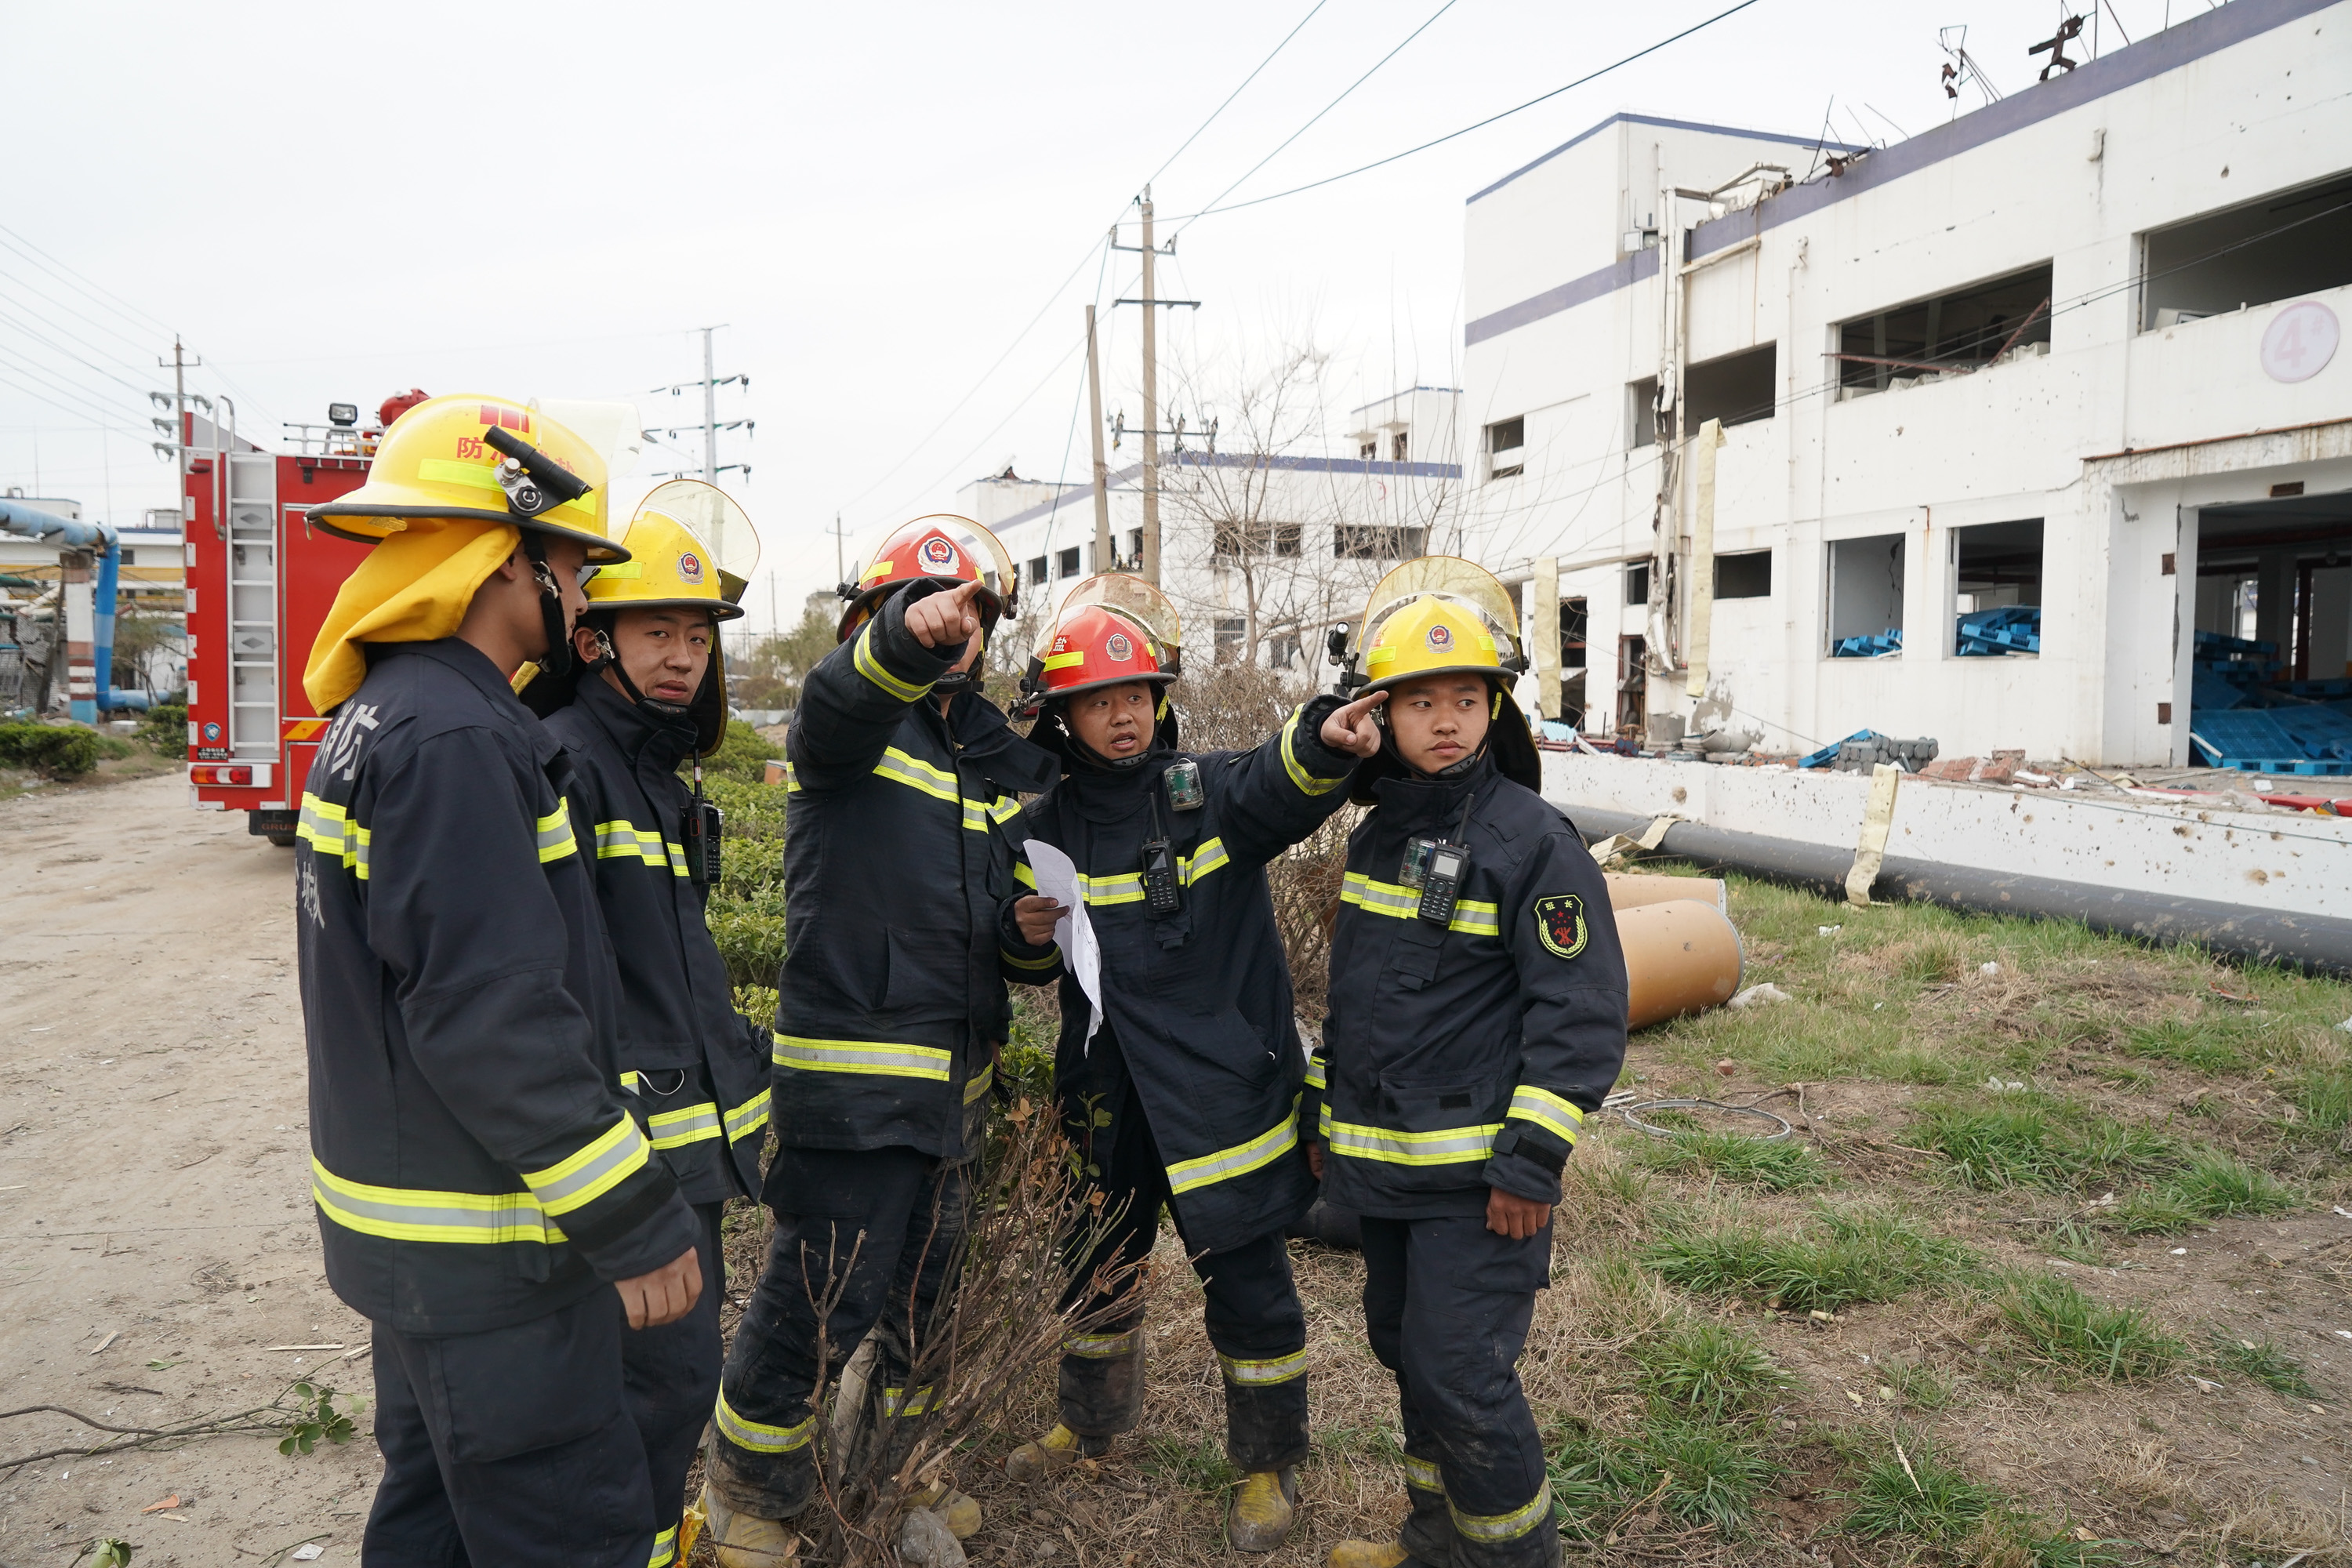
(1477, 1016)
(649, 695)
(904, 818)
(487, 1198)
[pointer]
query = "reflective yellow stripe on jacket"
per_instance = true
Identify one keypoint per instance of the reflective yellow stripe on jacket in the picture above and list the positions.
(1446, 1146)
(1474, 916)
(626, 840)
(877, 1057)
(1308, 783)
(408, 1214)
(583, 1177)
(862, 656)
(901, 767)
(1546, 1110)
(1190, 1175)
(1127, 887)
(556, 841)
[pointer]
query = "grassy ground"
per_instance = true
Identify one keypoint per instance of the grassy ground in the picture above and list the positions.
(2051, 1271)
(2091, 1315)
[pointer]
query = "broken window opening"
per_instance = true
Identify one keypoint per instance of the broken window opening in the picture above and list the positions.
(1237, 538)
(1376, 542)
(1507, 447)
(1633, 687)
(1734, 388)
(1950, 334)
(1865, 596)
(1642, 412)
(1574, 626)
(1637, 582)
(1037, 572)
(2290, 242)
(1067, 561)
(1997, 589)
(1744, 575)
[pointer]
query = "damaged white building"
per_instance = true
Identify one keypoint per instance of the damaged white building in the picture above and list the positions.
(2075, 356)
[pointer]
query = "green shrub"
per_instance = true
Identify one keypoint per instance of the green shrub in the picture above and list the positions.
(1859, 1252)
(1781, 1166)
(165, 726)
(57, 750)
(2115, 1342)
(1924, 1497)
(1709, 1368)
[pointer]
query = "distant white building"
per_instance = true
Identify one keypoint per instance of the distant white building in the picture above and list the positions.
(1261, 552)
(2075, 352)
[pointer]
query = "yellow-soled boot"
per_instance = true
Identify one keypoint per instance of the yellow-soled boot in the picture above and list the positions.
(1370, 1554)
(747, 1541)
(1258, 1518)
(958, 1510)
(1056, 1452)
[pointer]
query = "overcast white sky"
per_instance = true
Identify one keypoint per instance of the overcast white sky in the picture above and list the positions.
(331, 203)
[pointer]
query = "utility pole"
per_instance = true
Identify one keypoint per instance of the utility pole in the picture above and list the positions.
(1105, 556)
(710, 412)
(1152, 303)
(840, 570)
(1150, 404)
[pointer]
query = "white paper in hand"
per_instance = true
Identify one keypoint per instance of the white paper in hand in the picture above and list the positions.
(1057, 880)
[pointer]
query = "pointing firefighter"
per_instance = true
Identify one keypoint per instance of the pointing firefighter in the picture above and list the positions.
(1477, 1016)
(1186, 1094)
(891, 1007)
(647, 691)
(483, 1191)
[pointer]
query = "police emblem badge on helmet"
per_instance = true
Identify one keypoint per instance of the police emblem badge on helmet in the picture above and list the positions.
(1116, 646)
(689, 567)
(938, 552)
(1560, 923)
(1441, 637)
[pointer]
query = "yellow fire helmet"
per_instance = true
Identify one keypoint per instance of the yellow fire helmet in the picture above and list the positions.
(1439, 614)
(483, 459)
(674, 564)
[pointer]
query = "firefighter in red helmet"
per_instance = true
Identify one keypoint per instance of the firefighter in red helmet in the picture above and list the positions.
(1185, 1094)
(891, 1007)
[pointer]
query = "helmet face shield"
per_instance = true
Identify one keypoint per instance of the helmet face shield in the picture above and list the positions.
(715, 518)
(1434, 616)
(1132, 597)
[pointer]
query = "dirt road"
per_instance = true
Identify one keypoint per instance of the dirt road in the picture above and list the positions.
(156, 1234)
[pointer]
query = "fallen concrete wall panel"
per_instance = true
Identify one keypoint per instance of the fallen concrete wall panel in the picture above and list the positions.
(2320, 943)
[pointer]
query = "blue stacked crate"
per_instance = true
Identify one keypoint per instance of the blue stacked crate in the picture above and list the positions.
(2304, 741)
(1869, 645)
(1987, 634)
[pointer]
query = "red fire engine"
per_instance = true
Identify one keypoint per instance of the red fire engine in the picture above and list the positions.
(260, 580)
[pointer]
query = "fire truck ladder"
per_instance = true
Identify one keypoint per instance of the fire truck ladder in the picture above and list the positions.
(253, 600)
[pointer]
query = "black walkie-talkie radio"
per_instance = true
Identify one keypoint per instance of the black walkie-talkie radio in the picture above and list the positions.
(1162, 893)
(704, 828)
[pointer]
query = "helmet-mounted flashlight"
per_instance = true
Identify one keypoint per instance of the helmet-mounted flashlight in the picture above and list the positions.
(532, 480)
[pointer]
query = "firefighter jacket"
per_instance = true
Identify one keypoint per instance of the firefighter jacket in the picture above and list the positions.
(1464, 1056)
(899, 850)
(698, 1068)
(471, 1158)
(1198, 1000)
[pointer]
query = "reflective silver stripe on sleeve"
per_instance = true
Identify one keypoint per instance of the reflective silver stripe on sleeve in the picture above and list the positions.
(595, 1170)
(748, 1118)
(1546, 1110)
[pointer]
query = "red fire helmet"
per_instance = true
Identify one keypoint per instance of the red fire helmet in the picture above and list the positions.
(1094, 645)
(940, 547)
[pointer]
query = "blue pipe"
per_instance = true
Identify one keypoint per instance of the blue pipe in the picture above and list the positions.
(99, 538)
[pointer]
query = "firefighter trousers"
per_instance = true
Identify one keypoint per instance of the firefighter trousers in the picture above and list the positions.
(512, 1445)
(1253, 1318)
(877, 1234)
(670, 1375)
(1447, 1302)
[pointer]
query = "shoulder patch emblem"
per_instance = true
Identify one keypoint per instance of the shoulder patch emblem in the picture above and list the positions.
(1560, 923)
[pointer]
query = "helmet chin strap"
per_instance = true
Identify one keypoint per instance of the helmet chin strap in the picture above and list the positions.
(556, 662)
(607, 657)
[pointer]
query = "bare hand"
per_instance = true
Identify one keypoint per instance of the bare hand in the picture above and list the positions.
(1352, 730)
(666, 1295)
(1508, 1213)
(942, 619)
(1037, 915)
(1315, 1159)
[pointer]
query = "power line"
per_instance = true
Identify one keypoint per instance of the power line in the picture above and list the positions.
(1327, 108)
(1381, 162)
(87, 288)
(1023, 334)
(1253, 75)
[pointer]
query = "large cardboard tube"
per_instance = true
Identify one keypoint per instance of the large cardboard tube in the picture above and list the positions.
(1680, 957)
(1632, 890)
